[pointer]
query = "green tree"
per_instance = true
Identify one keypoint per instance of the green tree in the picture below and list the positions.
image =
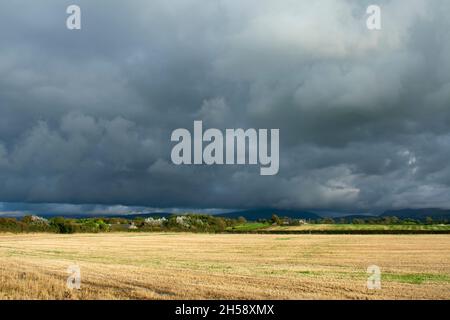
(242, 220)
(27, 219)
(276, 219)
(328, 221)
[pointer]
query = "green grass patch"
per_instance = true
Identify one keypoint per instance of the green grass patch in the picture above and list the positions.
(249, 226)
(352, 229)
(363, 227)
(416, 278)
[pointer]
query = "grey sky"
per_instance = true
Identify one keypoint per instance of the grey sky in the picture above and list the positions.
(364, 116)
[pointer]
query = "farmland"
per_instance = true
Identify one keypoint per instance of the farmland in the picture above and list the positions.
(223, 266)
(341, 228)
(362, 227)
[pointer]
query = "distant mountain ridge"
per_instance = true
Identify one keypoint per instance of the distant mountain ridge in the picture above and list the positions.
(418, 214)
(125, 216)
(266, 213)
(255, 214)
(251, 214)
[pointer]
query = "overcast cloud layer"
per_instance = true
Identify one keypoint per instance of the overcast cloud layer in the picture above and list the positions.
(364, 116)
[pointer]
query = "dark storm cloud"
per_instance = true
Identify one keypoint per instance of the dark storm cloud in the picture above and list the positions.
(364, 117)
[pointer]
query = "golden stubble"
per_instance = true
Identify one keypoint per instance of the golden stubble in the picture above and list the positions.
(224, 266)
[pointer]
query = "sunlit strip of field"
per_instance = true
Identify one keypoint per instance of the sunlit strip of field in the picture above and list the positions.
(224, 266)
(362, 227)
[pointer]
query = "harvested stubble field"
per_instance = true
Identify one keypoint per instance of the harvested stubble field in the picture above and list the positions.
(224, 266)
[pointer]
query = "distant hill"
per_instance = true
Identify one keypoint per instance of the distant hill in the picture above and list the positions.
(266, 213)
(255, 214)
(145, 215)
(351, 217)
(419, 214)
(125, 216)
